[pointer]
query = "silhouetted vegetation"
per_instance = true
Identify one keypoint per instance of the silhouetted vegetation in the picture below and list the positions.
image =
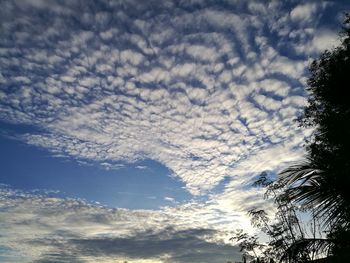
(322, 181)
(283, 233)
(320, 185)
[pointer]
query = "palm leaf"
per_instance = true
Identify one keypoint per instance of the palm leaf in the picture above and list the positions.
(313, 187)
(302, 249)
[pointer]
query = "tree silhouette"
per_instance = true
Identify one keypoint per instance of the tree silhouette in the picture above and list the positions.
(288, 237)
(322, 181)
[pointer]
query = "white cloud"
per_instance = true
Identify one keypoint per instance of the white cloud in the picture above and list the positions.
(268, 103)
(304, 12)
(211, 94)
(279, 88)
(131, 57)
(170, 199)
(200, 52)
(325, 39)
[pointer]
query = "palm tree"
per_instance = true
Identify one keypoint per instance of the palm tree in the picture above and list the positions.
(322, 181)
(318, 189)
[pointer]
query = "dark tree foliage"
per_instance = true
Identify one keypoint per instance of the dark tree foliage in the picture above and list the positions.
(328, 111)
(323, 180)
(321, 184)
(288, 238)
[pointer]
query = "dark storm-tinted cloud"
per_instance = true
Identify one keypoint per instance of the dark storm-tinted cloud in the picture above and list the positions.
(180, 246)
(41, 228)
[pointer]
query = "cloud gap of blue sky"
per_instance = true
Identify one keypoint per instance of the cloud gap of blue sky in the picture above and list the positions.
(162, 111)
(145, 184)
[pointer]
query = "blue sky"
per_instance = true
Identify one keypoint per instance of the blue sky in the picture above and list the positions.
(132, 130)
(144, 184)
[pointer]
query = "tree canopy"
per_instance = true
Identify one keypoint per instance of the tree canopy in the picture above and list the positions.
(321, 182)
(323, 179)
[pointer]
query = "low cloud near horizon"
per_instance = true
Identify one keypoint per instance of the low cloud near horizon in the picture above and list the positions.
(52, 229)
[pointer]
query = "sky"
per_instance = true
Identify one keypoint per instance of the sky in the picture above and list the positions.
(133, 130)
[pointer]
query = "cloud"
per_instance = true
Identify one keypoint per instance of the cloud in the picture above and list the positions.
(43, 228)
(167, 245)
(209, 91)
(325, 39)
(304, 12)
(141, 167)
(170, 199)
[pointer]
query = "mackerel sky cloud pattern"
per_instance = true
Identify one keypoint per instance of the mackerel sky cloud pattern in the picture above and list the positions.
(210, 90)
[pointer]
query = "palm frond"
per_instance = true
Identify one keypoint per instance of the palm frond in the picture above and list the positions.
(313, 187)
(303, 248)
